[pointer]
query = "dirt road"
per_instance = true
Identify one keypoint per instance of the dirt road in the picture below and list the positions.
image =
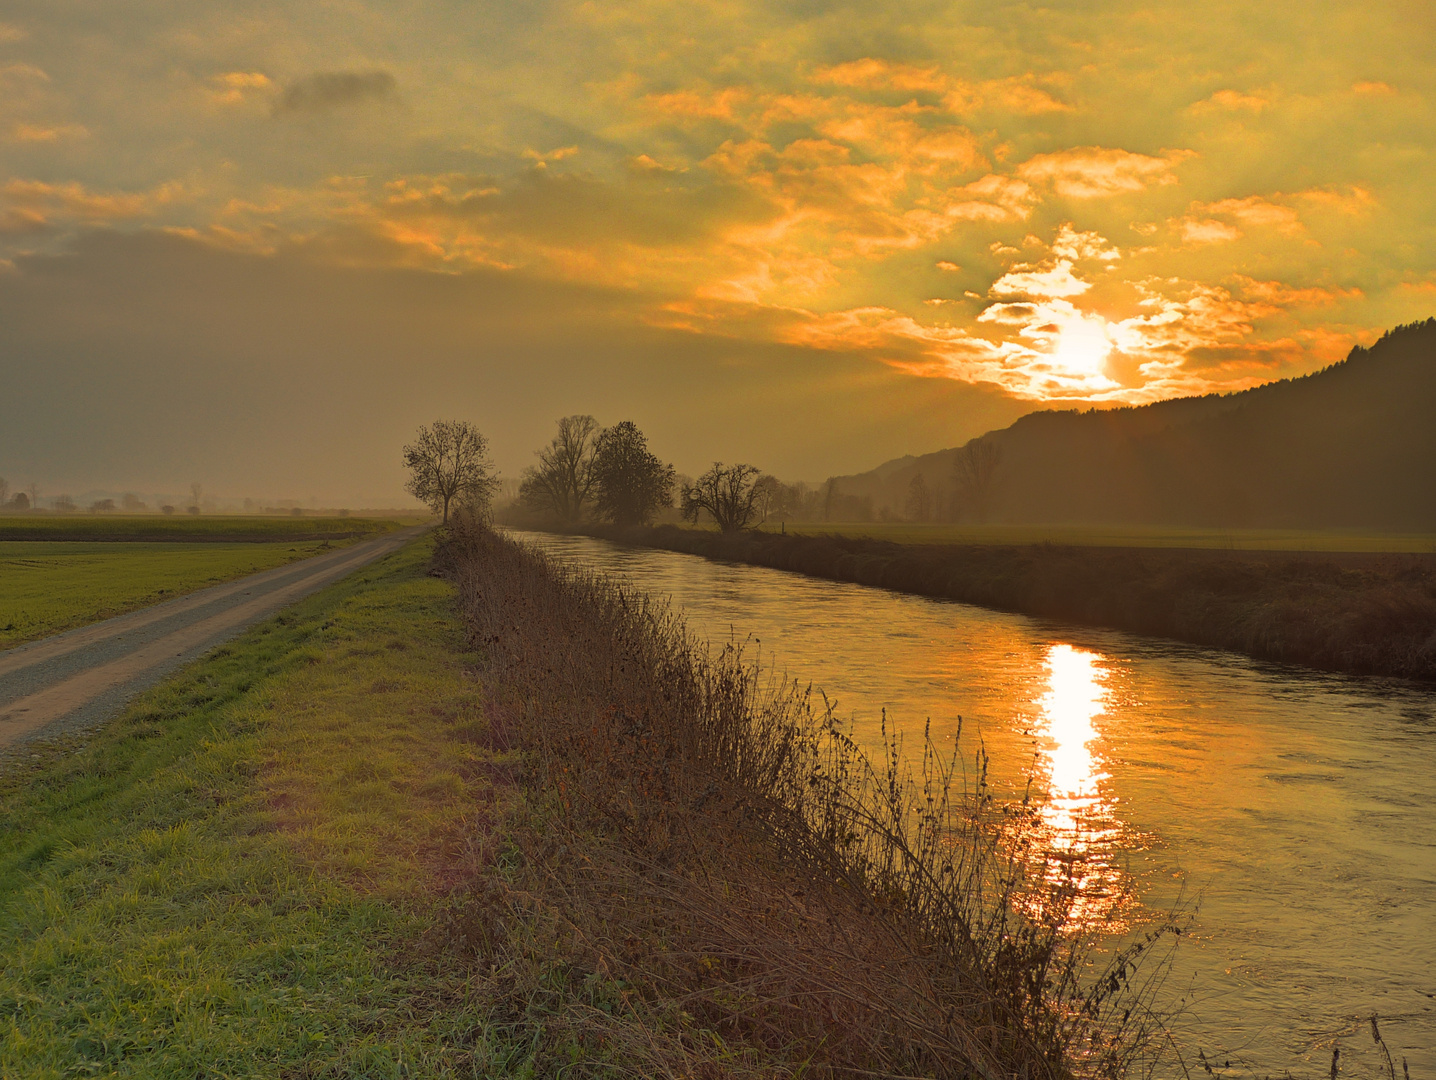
(81, 677)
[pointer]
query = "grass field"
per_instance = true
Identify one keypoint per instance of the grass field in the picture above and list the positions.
(246, 874)
(248, 528)
(50, 586)
(1334, 540)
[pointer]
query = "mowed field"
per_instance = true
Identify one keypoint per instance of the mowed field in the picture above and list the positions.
(248, 528)
(57, 574)
(1332, 540)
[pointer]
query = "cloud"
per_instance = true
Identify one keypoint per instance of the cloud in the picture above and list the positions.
(1232, 101)
(326, 90)
(233, 87)
(29, 205)
(1282, 295)
(1053, 280)
(36, 133)
(9, 32)
(1090, 172)
(1017, 94)
(1373, 89)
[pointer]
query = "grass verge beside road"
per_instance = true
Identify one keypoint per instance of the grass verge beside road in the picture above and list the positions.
(249, 872)
(47, 587)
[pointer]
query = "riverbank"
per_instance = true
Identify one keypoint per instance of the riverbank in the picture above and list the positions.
(1362, 613)
(726, 886)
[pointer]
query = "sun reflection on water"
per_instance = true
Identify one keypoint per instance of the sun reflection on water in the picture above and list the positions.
(1077, 825)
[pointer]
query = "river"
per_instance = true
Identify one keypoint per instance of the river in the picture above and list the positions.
(1297, 809)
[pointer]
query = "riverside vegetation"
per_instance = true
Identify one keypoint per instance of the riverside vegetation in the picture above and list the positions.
(715, 881)
(545, 834)
(1363, 613)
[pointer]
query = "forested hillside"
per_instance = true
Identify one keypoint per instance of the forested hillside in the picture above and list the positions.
(1353, 445)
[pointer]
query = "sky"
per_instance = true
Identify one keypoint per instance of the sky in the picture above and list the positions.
(255, 246)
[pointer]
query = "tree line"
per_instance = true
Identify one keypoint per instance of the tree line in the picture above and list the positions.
(589, 472)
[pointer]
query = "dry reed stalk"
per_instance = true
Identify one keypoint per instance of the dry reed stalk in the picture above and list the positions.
(716, 852)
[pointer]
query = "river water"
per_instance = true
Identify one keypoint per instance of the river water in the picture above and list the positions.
(1297, 809)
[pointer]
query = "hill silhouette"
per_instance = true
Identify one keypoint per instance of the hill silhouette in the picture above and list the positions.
(1351, 446)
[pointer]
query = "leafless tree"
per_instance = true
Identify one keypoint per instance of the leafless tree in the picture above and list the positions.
(131, 502)
(919, 500)
(4, 491)
(34, 490)
(727, 493)
(63, 504)
(768, 496)
(449, 465)
(975, 473)
(562, 482)
(196, 492)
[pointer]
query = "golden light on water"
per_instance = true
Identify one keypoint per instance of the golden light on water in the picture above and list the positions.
(1077, 821)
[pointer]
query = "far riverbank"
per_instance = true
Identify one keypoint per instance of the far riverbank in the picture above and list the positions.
(1362, 613)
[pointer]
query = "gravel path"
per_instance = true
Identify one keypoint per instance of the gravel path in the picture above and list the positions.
(77, 679)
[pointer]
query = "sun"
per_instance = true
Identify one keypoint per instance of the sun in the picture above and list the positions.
(1083, 347)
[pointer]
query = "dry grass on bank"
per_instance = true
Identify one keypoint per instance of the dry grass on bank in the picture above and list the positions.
(713, 881)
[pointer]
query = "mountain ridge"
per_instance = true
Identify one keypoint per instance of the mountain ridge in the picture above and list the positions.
(1350, 446)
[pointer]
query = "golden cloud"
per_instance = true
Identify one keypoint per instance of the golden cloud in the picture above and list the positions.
(1090, 172)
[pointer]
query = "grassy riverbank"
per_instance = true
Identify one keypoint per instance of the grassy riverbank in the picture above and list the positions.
(1156, 536)
(252, 871)
(1364, 613)
(719, 884)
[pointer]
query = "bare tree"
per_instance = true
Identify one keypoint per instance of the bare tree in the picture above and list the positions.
(727, 493)
(768, 496)
(131, 502)
(449, 464)
(196, 492)
(4, 491)
(563, 480)
(34, 490)
(975, 473)
(630, 484)
(919, 500)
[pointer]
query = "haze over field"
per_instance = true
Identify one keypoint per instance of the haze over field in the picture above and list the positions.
(258, 248)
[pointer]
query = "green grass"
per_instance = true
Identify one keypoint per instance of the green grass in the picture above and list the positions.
(242, 875)
(197, 529)
(1331, 540)
(47, 587)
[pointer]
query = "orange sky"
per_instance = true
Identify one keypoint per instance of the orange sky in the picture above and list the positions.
(942, 213)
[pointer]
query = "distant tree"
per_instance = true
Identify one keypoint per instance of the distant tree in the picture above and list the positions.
(64, 504)
(562, 482)
(4, 491)
(449, 465)
(919, 500)
(769, 496)
(728, 494)
(975, 474)
(630, 484)
(102, 506)
(167, 509)
(34, 491)
(131, 502)
(20, 502)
